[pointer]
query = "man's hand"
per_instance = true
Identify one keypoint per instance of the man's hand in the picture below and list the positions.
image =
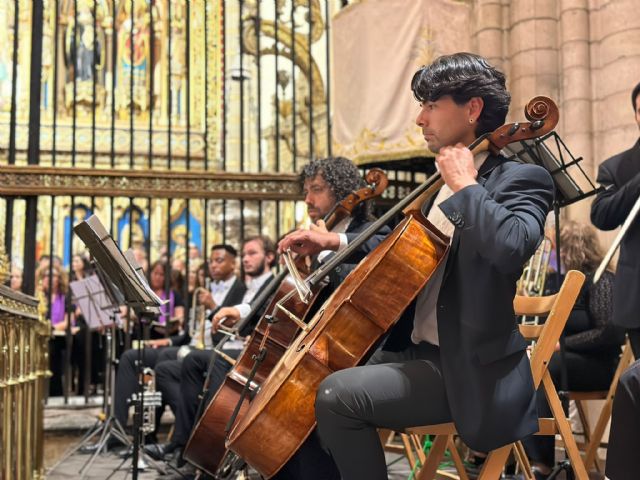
(160, 342)
(228, 316)
(310, 242)
(456, 167)
(206, 299)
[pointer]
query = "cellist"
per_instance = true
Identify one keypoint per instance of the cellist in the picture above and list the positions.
(324, 182)
(456, 353)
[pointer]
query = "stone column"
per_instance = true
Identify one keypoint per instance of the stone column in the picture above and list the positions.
(533, 52)
(575, 95)
(616, 70)
(488, 31)
(615, 54)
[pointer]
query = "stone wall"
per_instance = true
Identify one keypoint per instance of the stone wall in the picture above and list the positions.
(585, 54)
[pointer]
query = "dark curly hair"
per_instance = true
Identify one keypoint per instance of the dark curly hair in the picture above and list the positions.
(342, 176)
(464, 76)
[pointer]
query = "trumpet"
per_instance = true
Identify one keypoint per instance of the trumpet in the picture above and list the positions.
(197, 323)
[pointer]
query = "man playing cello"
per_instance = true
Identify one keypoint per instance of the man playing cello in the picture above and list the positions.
(456, 353)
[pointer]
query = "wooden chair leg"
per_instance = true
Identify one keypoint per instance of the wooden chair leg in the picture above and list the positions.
(523, 460)
(430, 466)
(408, 450)
(564, 428)
(418, 442)
(457, 460)
(494, 464)
(586, 429)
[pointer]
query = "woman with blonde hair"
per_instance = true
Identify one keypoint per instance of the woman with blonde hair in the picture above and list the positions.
(592, 342)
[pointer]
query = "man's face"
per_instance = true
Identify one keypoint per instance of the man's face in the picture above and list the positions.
(638, 110)
(318, 197)
(444, 123)
(254, 260)
(221, 264)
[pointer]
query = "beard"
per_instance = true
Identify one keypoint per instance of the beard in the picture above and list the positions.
(260, 269)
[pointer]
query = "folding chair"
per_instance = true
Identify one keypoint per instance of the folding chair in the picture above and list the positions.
(593, 438)
(557, 307)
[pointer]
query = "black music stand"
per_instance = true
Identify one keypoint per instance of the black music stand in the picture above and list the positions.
(572, 184)
(128, 280)
(95, 296)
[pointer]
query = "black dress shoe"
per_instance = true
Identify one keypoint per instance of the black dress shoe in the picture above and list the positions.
(161, 451)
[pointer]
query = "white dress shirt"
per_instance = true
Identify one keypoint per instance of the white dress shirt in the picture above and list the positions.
(425, 321)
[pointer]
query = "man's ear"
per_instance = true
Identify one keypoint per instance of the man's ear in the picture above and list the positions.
(271, 259)
(475, 105)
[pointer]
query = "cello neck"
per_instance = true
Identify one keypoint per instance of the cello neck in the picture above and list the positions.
(411, 202)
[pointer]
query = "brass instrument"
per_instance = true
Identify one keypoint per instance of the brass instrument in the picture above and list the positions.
(198, 313)
(152, 399)
(534, 274)
(197, 323)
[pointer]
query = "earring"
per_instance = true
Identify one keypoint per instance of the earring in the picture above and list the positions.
(471, 120)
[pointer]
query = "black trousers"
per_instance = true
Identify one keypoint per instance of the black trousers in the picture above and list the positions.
(193, 372)
(395, 390)
(623, 461)
(168, 382)
(585, 372)
(127, 380)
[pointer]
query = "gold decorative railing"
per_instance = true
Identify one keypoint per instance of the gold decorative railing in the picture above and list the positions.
(24, 368)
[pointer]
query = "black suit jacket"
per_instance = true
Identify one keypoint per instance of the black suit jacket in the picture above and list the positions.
(498, 225)
(620, 176)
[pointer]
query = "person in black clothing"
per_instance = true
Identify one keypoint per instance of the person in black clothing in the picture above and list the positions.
(592, 342)
(623, 461)
(620, 177)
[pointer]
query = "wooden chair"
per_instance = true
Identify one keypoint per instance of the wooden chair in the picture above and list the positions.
(593, 438)
(557, 308)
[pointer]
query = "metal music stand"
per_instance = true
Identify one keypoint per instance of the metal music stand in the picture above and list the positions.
(572, 184)
(137, 294)
(95, 296)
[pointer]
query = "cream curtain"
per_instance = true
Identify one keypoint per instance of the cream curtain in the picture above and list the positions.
(377, 47)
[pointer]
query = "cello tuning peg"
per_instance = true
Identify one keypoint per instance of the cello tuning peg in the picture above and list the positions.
(537, 124)
(514, 128)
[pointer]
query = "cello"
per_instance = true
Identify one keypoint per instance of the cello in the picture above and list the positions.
(268, 342)
(365, 306)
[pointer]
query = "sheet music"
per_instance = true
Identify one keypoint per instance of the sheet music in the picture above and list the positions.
(90, 296)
